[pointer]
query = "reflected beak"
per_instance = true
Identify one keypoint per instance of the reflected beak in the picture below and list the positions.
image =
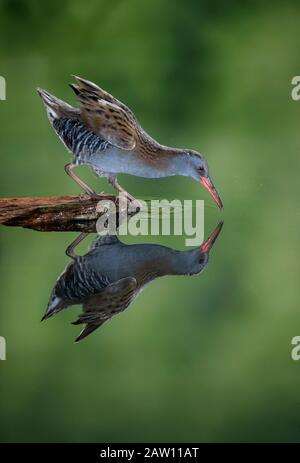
(208, 244)
(208, 184)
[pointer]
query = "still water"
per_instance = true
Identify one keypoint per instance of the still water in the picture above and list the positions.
(190, 352)
(205, 357)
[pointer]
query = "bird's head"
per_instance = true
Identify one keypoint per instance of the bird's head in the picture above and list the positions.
(197, 259)
(197, 168)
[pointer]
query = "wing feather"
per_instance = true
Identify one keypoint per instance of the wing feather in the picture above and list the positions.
(105, 115)
(100, 307)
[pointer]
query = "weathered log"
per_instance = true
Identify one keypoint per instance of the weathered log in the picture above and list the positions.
(55, 213)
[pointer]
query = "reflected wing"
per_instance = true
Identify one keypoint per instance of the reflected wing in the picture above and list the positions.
(105, 115)
(102, 306)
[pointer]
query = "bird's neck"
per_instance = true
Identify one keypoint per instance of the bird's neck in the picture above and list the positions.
(162, 261)
(184, 262)
(174, 161)
(168, 152)
(154, 151)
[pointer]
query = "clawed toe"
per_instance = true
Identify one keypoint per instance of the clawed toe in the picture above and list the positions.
(95, 195)
(84, 196)
(135, 204)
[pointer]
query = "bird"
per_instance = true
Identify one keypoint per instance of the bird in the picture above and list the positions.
(104, 134)
(108, 278)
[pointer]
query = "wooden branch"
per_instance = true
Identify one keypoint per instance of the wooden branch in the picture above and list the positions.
(56, 213)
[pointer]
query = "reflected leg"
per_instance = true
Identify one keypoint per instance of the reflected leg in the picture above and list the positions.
(71, 248)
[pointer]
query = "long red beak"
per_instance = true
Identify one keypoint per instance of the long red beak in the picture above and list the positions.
(208, 244)
(208, 184)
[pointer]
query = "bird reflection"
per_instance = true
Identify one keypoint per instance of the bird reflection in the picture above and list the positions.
(111, 274)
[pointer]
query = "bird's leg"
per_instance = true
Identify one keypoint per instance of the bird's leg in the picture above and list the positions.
(113, 181)
(71, 248)
(69, 170)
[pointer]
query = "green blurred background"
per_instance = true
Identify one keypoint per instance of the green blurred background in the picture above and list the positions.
(205, 358)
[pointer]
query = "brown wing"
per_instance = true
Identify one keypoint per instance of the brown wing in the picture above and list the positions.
(105, 115)
(102, 306)
(87, 86)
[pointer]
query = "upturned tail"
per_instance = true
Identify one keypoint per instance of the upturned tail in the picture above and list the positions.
(55, 107)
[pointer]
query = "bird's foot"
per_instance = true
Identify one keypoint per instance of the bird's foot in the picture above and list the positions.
(84, 196)
(103, 206)
(131, 203)
(91, 195)
(135, 205)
